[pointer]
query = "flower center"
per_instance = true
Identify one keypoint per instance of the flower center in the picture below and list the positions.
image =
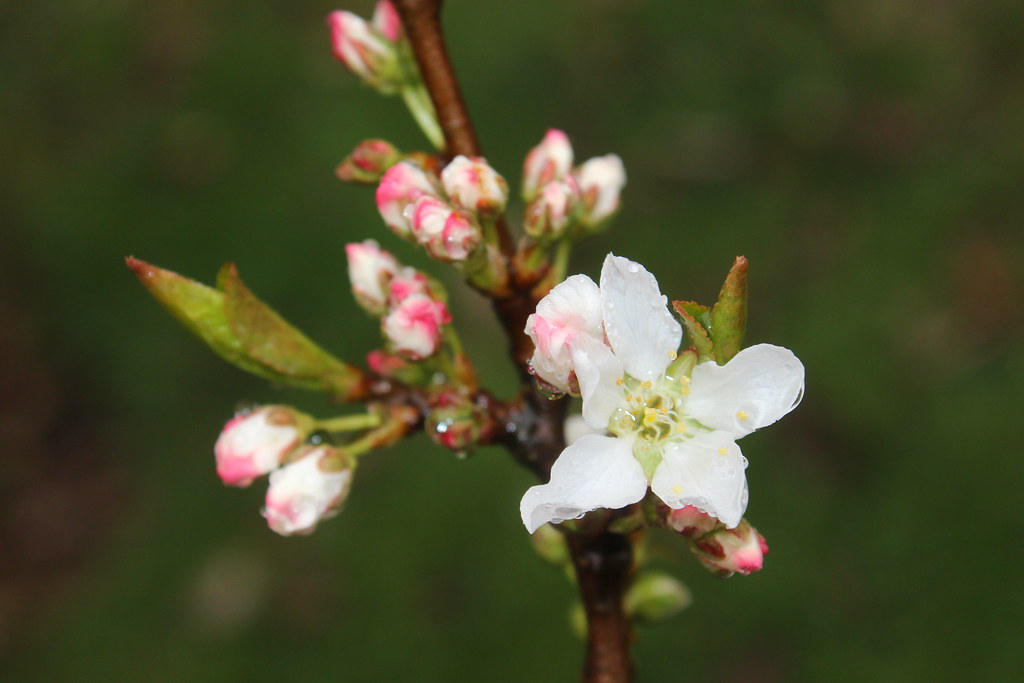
(652, 413)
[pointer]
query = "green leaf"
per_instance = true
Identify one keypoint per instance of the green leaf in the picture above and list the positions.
(201, 310)
(269, 339)
(693, 315)
(729, 315)
(244, 331)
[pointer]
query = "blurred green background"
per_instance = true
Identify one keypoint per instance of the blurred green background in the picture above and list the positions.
(867, 157)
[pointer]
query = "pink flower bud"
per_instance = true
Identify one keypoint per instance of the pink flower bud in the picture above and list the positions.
(448, 234)
(414, 327)
(455, 422)
(601, 180)
(731, 551)
(367, 162)
(550, 160)
(307, 490)
(386, 20)
(364, 50)
(254, 443)
(399, 187)
(385, 364)
(690, 522)
(408, 282)
(475, 186)
(370, 270)
(554, 209)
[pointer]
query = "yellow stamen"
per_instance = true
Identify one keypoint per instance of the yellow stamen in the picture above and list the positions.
(677, 489)
(620, 381)
(650, 416)
(722, 450)
(681, 428)
(742, 415)
(672, 354)
(646, 384)
(629, 397)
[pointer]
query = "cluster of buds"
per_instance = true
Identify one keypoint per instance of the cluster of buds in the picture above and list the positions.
(722, 551)
(411, 306)
(445, 215)
(563, 199)
(372, 50)
(307, 483)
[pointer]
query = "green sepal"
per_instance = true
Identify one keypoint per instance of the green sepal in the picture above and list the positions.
(696, 320)
(729, 314)
(271, 340)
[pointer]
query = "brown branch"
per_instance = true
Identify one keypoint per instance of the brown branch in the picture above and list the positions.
(533, 424)
(422, 22)
(603, 562)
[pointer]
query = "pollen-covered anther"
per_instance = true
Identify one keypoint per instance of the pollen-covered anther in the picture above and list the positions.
(680, 428)
(620, 381)
(742, 415)
(677, 489)
(722, 450)
(650, 416)
(646, 384)
(672, 354)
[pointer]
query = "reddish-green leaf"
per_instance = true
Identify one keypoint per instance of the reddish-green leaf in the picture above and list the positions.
(729, 315)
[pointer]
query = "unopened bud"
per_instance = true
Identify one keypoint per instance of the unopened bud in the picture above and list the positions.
(550, 160)
(448, 234)
(414, 327)
(549, 543)
(386, 20)
(601, 180)
(370, 269)
(454, 422)
(473, 185)
(654, 597)
(307, 490)
(368, 162)
(409, 282)
(553, 209)
(401, 185)
(365, 50)
(731, 551)
(689, 521)
(256, 442)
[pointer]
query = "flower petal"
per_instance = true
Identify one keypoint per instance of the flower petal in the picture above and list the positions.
(597, 370)
(569, 311)
(754, 389)
(642, 332)
(595, 472)
(707, 472)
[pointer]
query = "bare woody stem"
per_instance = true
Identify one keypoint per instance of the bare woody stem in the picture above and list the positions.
(603, 560)
(422, 22)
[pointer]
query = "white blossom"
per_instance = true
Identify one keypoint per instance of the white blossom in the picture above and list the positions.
(661, 428)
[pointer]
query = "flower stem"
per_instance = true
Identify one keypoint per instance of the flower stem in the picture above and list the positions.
(349, 423)
(417, 100)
